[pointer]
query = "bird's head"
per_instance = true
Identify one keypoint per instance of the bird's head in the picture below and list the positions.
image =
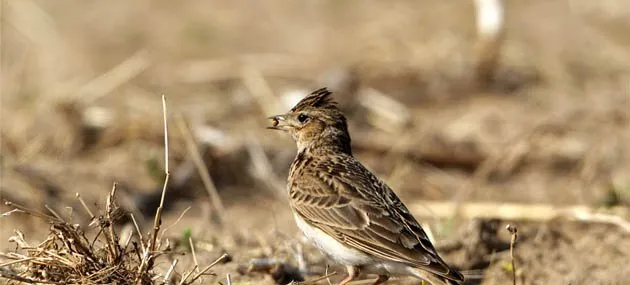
(315, 122)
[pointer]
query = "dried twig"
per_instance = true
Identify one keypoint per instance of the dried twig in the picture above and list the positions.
(158, 214)
(87, 209)
(16, 261)
(523, 212)
(513, 231)
(194, 254)
(108, 81)
(68, 257)
(193, 151)
(30, 211)
(53, 212)
(170, 271)
(112, 238)
(187, 275)
(586, 216)
(203, 271)
(262, 169)
(135, 224)
(147, 260)
(315, 280)
(174, 223)
(6, 214)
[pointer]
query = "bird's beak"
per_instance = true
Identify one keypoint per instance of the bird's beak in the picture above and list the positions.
(278, 122)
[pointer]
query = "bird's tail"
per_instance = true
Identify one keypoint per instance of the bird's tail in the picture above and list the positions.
(451, 278)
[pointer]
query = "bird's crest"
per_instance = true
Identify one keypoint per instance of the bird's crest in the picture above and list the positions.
(319, 98)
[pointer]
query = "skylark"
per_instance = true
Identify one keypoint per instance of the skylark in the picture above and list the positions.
(345, 210)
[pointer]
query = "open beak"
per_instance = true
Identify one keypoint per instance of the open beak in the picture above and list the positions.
(278, 122)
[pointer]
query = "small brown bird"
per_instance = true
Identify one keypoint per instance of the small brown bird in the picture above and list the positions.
(347, 212)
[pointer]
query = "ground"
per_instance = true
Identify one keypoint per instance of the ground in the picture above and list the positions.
(81, 109)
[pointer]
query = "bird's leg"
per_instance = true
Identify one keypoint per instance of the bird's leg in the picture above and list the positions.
(353, 272)
(381, 279)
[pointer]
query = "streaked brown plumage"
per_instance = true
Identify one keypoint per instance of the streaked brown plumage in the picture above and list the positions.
(350, 214)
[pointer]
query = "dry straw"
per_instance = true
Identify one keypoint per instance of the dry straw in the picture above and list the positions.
(72, 254)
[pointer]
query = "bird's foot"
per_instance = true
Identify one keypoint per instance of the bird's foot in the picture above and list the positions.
(381, 279)
(353, 272)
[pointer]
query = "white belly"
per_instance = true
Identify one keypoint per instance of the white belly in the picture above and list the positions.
(345, 255)
(332, 248)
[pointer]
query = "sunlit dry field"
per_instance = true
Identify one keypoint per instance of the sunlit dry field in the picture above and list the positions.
(543, 145)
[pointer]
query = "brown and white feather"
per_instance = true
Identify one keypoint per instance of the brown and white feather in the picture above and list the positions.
(350, 214)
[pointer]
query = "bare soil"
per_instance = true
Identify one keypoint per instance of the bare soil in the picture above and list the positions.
(81, 109)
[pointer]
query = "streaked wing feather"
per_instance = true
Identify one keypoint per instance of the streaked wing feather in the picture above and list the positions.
(345, 200)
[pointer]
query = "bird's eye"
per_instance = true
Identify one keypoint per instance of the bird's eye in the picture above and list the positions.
(302, 118)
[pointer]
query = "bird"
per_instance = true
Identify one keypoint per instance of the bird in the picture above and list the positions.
(347, 212)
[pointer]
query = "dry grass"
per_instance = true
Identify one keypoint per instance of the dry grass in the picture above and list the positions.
(80, 84)
(74, 255)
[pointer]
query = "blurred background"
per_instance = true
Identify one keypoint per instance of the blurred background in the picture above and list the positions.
(450, 102)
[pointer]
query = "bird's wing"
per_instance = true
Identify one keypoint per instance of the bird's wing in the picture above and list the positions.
(342, 198)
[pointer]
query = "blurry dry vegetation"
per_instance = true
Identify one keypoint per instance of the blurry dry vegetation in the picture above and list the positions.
(81, 85)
